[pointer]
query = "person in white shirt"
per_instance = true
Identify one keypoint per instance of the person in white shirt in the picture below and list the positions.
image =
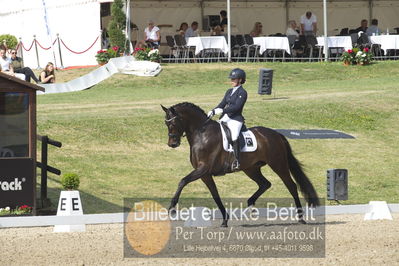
(308, 24)
(6, 66)
(152, 36)
(292, 29)
(192, 31)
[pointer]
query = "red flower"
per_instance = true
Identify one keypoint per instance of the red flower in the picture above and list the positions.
(350, 51)
(366, 49)
(115, 48)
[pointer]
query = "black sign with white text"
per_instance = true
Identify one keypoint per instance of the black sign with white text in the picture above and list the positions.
(16, 182)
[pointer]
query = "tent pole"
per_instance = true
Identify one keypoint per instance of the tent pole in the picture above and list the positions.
(128, 32)
(228, 31)
(325, 30)
(370, 10)
(287, 13)
(202, 13)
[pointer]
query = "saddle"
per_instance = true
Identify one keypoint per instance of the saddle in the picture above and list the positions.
(246, 139)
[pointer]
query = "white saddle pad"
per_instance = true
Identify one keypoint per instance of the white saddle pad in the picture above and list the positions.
(250, 141)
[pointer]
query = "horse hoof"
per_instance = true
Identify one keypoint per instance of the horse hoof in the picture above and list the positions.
(252, 209)
(224, 224)
(301, 221)
(172, 212)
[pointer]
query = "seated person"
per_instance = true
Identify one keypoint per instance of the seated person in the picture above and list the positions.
(257, 30)
(363, 26)
(373, 29)
(192, 31)
(18, 66)
(293, 38)
(152, 36)
(183, 28)
(217, 31)
(47, 75)
(292, 29)
(6, 66)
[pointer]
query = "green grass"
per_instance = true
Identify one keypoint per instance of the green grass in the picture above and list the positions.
(114, 137)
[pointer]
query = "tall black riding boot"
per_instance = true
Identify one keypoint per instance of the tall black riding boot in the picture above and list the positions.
(236, 164)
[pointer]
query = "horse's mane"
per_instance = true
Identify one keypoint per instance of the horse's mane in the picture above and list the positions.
(191, 106)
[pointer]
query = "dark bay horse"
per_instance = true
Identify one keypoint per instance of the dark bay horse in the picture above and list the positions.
(208, 157)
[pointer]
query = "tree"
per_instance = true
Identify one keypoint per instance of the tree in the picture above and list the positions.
(117, 25)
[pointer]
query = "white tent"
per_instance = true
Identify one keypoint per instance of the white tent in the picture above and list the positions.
(273, 14)
(76, 21)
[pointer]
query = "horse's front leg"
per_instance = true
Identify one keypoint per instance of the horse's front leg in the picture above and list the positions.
(194, 175)
(210, 183)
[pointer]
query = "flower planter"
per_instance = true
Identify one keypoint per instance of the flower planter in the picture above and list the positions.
(102, 63)
(347, 63)
(16, 215)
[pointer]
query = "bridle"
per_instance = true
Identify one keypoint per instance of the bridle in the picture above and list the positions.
(175, 136)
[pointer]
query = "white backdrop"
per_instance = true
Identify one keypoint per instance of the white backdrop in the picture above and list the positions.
(76, 21)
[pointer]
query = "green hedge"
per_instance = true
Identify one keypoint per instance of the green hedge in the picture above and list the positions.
(11, 41)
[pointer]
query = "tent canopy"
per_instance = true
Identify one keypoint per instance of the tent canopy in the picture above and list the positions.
(273, 14)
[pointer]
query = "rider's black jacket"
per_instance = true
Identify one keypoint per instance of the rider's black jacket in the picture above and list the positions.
(232, 105)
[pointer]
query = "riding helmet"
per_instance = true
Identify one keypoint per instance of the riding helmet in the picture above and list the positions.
(238, 73)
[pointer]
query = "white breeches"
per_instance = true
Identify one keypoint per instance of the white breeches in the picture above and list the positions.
(233, 125)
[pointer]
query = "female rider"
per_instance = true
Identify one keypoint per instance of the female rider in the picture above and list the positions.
(231, 108)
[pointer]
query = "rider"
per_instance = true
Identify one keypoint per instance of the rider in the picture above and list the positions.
(231, 109)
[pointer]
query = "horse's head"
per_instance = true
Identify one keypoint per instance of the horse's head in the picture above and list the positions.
(175, 127)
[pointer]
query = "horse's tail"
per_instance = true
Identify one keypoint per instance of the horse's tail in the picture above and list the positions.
(300, 177)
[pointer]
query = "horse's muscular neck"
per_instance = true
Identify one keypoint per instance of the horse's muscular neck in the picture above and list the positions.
(193, 122)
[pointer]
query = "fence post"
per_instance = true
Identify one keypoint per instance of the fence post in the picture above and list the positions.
(43, 190)
(20, 47)
(59, 49)
(37, 54)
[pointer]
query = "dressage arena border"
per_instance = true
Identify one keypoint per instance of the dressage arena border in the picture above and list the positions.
(108, 218)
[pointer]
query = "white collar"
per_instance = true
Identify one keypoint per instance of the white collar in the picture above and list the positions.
(234, 89)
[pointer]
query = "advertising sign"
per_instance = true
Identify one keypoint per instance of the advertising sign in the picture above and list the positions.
(16, 182)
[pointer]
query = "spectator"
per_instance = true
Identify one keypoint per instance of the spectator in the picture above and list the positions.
(308, 24)
(373, 29)
(192, 31)
(257, 30)
(47, 75)
(292, 29)
(363, 26)
(152, 36)
(183, 28)
(104, 39)
(223, 15)
(217, 31)
(6, 66)
(18, 66)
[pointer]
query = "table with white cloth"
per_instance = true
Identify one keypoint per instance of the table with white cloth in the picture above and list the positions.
(387, 42)
(336, 42)
(276, 43)
(208, 42)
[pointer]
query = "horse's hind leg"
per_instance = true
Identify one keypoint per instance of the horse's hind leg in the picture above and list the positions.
(283, 172)
(210, 183)
(256, 175)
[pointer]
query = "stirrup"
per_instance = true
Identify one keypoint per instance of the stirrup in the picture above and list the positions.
(235, 166)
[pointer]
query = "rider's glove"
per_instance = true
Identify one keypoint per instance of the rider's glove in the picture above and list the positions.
(218, 111)
(211, 113)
